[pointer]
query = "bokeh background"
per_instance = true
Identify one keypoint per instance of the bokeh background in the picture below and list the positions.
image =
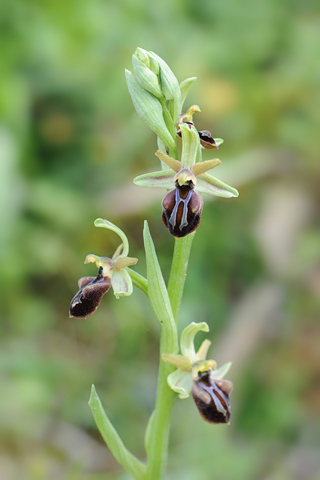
(70, 144)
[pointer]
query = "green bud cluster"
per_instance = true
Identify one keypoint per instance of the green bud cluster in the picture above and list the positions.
(156, 95)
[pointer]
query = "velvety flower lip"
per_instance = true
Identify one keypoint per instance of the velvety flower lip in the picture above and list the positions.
(111, 272)
(87, 299)
(200, 377)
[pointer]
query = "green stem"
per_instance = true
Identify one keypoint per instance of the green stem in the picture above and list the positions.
(158, 442)
(138, 280)
(178, 272)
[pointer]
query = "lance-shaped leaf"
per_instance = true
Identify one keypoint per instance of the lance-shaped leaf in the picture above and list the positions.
(208, 184)
(158, 293)
(149, 110)
(112, 439)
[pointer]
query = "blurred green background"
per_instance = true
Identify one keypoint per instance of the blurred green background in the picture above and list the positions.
(70, 144)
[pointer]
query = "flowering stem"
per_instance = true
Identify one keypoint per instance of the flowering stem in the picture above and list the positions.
(158, 435)
(138, 280)
(178, 272)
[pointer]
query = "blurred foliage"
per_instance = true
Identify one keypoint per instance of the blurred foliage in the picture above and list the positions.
(70, 144)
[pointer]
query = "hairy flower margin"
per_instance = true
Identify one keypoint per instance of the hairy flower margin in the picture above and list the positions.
(111, 273)
(200, 377)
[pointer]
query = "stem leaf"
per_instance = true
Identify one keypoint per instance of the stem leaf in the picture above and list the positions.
(157, 289)
(112, 439)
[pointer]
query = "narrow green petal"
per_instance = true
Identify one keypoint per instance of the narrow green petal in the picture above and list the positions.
(208, 184)
(178, 361)
(181, 383)
(203, 350)
(99, 222)
(121, 283)
(187, 338)
(160, 179)
(202, 167)
(112, 439)
(171, 162)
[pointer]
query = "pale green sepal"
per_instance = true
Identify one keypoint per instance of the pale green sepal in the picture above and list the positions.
(149, 110)
(208, 184)
(99, 222)
(190, 145)
(218, 141)
(121, 284)
(221, 372)
(146, 78)
(112, 439)
(184, 88)
(170, 86)
(187, 339)
(158, 293)
(181, 383)
(178, 361)
(160, 179)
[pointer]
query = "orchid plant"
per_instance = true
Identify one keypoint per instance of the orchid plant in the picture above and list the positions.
(158, 99)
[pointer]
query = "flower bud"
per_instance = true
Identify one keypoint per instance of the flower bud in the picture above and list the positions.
(212, 398)
(87, 299)
(182, 207)
(144, 75)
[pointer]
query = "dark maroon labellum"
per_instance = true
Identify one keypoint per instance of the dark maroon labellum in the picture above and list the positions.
(181, 210)
(207, 141)
(212, 398)
(87, 299)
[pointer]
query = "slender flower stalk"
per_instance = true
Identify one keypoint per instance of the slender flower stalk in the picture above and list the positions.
(158, 99)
